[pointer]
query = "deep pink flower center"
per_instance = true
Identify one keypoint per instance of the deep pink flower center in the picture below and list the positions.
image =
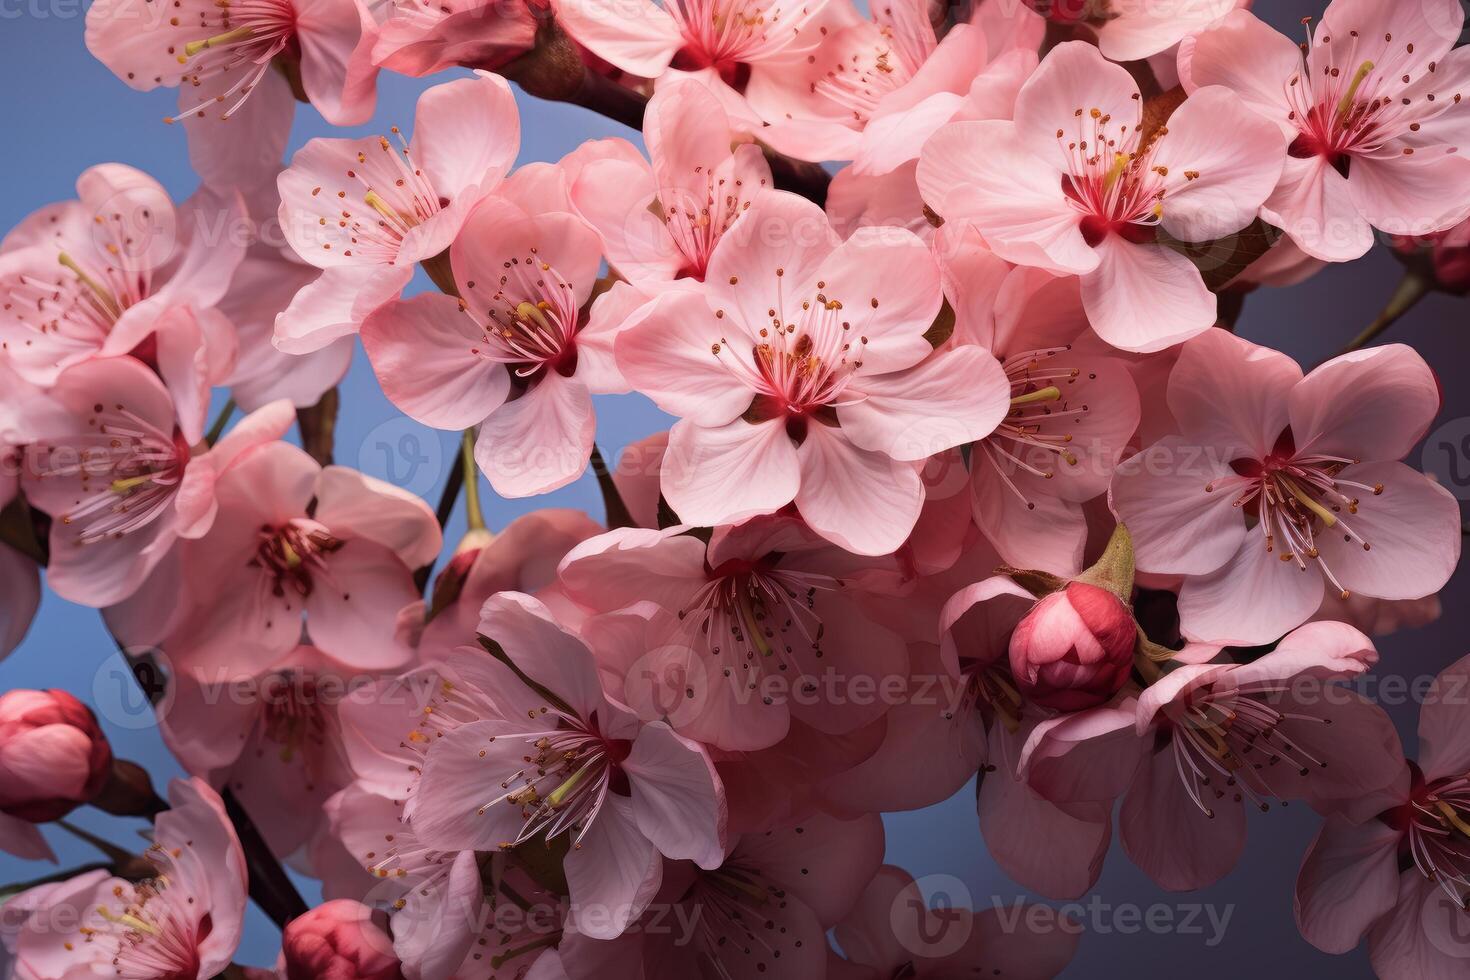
(1435, 824)
(293, 556)
(531, 320)
(237, 40)
(1112, 179)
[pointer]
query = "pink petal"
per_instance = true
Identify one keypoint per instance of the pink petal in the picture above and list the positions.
(1087, 757)
(1132, 277)
(1444, 725)
(466, 133)
(666, 352)
(1410, 528)
(678, 801)
(547, 652)
(336, 69)
(773, 249)
(984, 173)
(727, 474)
(1146, 29)
(1074, 78)
(353, 504)
(1348, 880)
(1254, 598)
(1314, 205)
(461, 774)
(237, 148)
(1373, 404)
(1411, 195)
(1040, 531)
(500, 231)
(352, 610)
(640, 38)
(614, 874)
(1169, 836)
(1237, 155)
(1421, 938)
(864, 501)
(335, 304)
(915, 413)
(1246, 56)
(823, 861)
(540, 441)
(423, 351)
(1178, 527)
(1229, 394)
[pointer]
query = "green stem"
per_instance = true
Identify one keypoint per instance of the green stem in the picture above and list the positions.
(218, 428)
(473, 515)
(1413, 288)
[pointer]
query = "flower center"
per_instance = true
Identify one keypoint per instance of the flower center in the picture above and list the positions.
(695, 223)
(860, 81)
(233, 36)
(1436, 825)
(531, 321)
(802, 362)
(753, 618)
(568, 773)
(1111, 179)
(294, 718)
(152, 939)
(400, 195)
(1344, 104)
(725, 34)
(293, 555)
(128, 470)
(1226, 742)
(1296, 498)
(1031, 437)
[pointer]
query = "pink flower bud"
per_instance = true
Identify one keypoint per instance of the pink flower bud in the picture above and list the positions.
(1074, 649)
(337, 940)
(53, 756)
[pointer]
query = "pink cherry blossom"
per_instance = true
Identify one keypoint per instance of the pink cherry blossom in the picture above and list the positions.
(1074, 649)
(184, 922)
(875, 90)
(366, 211)
(757, 431)
(756, 628)
(291, 540)
(1206, 739)
(1397, 876)
(119, 271)
(516, 354)
(576, 764)
(1073, 408)
(763, 913)
(418, 38)
(1372, 107)
(1076, 187)
(523, 557)
(265, 282)
(53, 757)
(225, 57)
(661, 221)
(1279, 483)
(272, 737)
(120, 479)
(644, 38)
(337, 940)
(894, 932)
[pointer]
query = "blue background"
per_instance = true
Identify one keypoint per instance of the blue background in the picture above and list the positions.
(62, 111)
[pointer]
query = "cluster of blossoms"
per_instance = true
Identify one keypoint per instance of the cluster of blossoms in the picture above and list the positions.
(968, 473)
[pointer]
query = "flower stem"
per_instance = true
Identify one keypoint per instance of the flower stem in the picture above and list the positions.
(1412, 288)
(473, 515)
(618, 514)
(220, 421)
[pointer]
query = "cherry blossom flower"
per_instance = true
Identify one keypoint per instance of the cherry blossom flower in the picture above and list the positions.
(1398, 877)
(515, 353)
(223, 61)
(292, 540)
(832, 412)
(420, 38)
(1207, 739)
(660, 222)
(1279, 483)
(894, 932)
(1372, 107)
(577, 764)
(746, 633)
(1076, 186)
(1073, 409)
(366, 211)
(265, 282)
(873, 92)
(732, 37)
(119, 272)
(185, 922)
(272, 737)
(120, 479)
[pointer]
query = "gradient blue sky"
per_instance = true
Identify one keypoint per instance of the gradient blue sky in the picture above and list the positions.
(62, 112)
